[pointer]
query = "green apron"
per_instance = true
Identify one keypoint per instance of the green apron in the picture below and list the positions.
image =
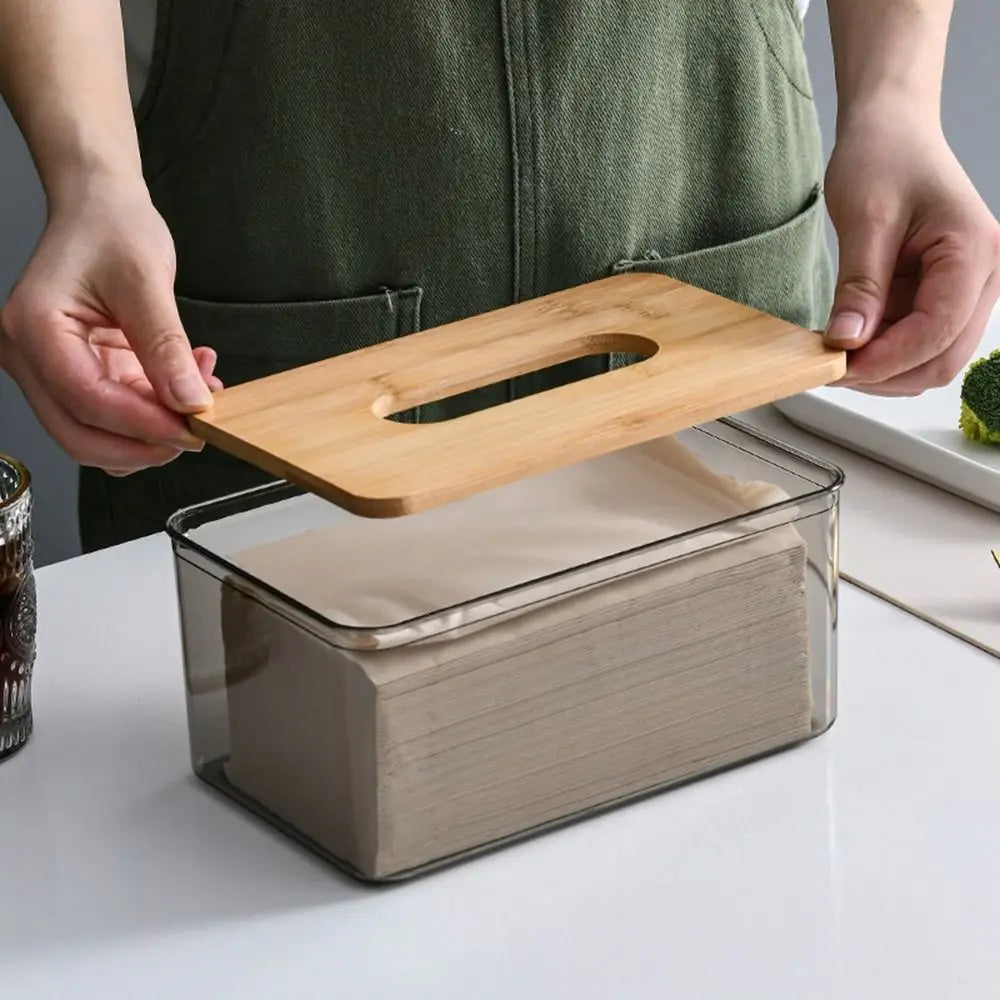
(337, 175)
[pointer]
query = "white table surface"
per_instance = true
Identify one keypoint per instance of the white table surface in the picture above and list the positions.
(865, 864)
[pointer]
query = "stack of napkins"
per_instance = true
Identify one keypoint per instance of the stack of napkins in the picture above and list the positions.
(487, 716)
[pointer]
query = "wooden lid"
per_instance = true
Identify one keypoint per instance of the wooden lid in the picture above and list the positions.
(325, 426)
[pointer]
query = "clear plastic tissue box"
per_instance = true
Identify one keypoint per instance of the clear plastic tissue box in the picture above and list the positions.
(397, 694)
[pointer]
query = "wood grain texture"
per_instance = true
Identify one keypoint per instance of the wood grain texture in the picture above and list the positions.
(323, 426)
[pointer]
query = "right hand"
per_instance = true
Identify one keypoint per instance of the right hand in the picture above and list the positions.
(92, 335)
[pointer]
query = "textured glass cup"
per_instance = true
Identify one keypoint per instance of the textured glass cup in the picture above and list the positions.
(17, 607)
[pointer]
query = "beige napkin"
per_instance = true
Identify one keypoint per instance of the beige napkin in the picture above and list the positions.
(396, 757)
(368, 573)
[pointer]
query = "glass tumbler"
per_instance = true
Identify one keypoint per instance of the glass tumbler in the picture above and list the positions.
(17, 606)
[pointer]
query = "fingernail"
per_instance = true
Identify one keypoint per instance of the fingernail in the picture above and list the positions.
(846, 328)
(190, 390)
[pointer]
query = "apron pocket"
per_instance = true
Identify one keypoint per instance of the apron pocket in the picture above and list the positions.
(254, 340)
(785, 272)
(782, 33)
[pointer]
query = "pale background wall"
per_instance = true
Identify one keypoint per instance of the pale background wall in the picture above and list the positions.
(972, 120)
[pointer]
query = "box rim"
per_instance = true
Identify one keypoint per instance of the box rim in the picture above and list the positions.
(363, 638)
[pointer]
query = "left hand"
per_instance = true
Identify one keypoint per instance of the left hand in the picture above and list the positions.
(919, 253)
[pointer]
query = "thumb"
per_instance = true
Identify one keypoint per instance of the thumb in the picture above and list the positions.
(868, 255)
(148, 316)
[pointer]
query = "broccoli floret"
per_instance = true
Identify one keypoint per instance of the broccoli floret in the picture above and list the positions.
(980, 417)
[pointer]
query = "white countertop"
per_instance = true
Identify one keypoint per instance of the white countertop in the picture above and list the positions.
(865, 864)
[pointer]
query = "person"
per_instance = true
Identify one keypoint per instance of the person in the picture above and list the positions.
(299, 180)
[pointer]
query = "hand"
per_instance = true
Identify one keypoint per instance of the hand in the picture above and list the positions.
(92, 335)
(919, 254)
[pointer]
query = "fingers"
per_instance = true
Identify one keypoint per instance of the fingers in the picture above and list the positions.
(945, 368)
(950, 294)
(90, 393)
(75, 376)
(122, 365)
(88, 445)
(868, 256)
(146, 311)
(94, 338)
(207, 358)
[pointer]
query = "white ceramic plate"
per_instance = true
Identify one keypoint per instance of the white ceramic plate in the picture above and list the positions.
(919, 436)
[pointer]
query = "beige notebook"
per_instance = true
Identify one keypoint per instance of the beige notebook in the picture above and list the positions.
(394, 758)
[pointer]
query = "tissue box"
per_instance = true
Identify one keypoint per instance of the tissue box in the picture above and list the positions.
(398, 694)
